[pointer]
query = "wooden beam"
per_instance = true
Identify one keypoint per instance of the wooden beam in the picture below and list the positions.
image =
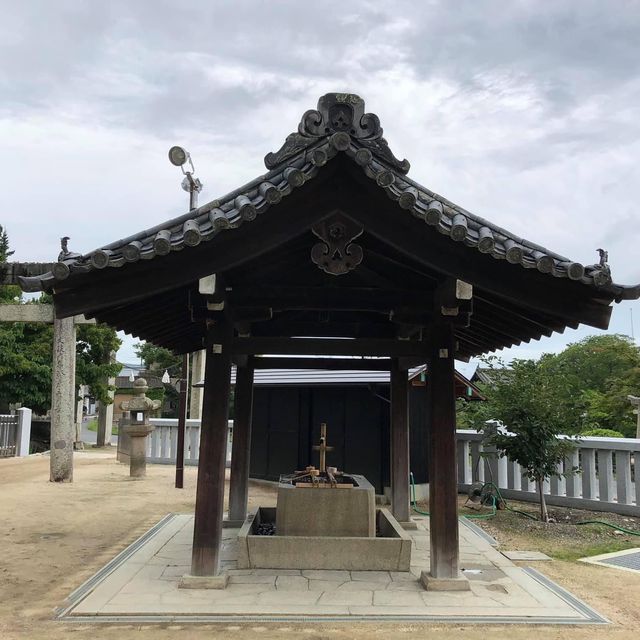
(241, 447)
(443, 484)
(327, 364)
(320, 347)
(207, 532)
(321, 298)
(399, 442)
(336, 329)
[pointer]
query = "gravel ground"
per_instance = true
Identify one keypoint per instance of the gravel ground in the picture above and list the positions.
(54, 536)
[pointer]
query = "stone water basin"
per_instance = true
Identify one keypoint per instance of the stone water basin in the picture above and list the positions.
(390, 550)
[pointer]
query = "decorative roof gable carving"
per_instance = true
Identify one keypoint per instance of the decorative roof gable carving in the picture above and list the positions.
(342, 117)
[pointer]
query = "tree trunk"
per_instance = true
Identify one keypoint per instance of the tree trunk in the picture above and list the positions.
(544, 515)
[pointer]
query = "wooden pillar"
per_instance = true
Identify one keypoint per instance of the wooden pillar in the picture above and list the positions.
(399, 442)
(207, 532)
(241, 446)
(443, 485)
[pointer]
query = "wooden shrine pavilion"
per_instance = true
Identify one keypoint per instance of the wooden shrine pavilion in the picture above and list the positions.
(334, 251)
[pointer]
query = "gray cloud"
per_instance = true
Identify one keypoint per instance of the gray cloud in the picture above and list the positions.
(524, 112)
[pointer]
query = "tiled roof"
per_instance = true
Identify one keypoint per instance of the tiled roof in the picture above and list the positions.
(338, 126)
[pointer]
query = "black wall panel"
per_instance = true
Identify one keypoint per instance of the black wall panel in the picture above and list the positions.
(286, 426)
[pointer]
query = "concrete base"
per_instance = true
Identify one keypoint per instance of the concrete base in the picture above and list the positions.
(390, 551)
(409, 526)
(140, 586)
(444, 584)
(204, 582)
(333, 512)
(232, 524)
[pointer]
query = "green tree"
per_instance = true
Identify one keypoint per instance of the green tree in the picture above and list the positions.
(587, 385)
(592, 379)
(8, 293)
(26, 358)
(95, 343)
(524, 404)
(25, 365)
(157, 359)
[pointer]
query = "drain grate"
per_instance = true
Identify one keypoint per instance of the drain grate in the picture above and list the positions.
(628, 560)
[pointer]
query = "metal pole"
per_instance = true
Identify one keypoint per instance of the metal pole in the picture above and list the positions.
(193, 192)
(182, 422)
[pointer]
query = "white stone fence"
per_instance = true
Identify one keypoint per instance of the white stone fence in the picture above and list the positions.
(163, 441)
(15, 434)
(607, 480)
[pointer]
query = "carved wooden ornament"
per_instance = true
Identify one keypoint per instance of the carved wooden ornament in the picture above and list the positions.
(337, 254)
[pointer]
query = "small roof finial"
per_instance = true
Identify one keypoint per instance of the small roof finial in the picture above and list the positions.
(604, 257)
(64, 246)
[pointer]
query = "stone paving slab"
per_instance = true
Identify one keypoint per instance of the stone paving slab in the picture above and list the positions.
(526, 556)
(142, 583)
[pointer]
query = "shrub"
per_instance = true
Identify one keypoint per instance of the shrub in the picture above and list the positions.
(602, 433)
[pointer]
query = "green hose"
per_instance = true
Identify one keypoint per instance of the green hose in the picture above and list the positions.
(413, 497)
(482, 516)
(609, 524)
(504, 502)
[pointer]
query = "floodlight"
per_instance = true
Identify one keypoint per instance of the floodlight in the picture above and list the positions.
(178, 156)
(165, 377)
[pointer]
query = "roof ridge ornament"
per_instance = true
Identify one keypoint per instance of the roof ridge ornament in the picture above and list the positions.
(337, 253)
(601, 272)
(338, 113)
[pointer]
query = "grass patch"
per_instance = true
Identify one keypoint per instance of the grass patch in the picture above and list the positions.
(561, 539)
(92, 425)
(571, 555)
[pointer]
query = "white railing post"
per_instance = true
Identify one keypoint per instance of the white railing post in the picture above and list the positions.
(477, 466)
(502, 467)
(514, 476)
(589, 474)
(623, 477)
(558, 484)
(636, 467)
(605, 475)
(464, 466)
(23, 434)
(573, 481)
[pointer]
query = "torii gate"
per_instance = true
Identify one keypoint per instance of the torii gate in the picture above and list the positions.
(63, 393)
(64, 366)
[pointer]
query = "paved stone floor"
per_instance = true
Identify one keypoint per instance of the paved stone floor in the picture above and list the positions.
(142, 583)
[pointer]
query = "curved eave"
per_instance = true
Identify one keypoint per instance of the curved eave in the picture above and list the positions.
(254, 198)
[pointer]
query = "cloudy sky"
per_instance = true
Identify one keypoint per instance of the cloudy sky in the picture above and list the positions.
(526, 113)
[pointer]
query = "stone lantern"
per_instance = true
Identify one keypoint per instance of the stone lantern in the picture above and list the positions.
(138, 428)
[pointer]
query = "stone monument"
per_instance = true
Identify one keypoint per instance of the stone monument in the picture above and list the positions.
(138, 427)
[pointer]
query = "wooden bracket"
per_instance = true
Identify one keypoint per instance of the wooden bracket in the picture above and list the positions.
(454, 299)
